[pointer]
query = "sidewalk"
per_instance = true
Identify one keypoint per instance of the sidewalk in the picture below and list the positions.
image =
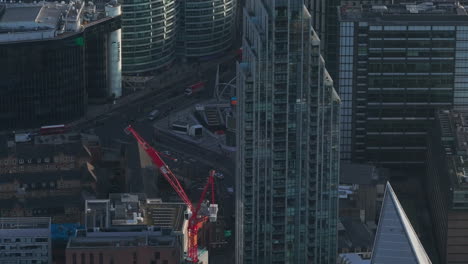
(170, 77)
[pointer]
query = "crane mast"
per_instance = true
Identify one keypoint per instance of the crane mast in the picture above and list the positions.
(196, 220)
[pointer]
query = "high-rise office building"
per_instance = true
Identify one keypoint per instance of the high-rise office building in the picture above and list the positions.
(25, 240)
(397, 64)
(206, 27)
(53, 57)
(148, 34)
(447, 184)
(288, 138)
(326, 23)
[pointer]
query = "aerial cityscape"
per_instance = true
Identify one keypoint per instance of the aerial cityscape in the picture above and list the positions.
(233, 132)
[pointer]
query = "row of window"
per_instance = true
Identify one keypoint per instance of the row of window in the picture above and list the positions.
(38, 160)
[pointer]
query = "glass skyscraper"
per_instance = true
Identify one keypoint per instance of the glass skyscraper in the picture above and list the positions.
(397, 66)
(288, 138)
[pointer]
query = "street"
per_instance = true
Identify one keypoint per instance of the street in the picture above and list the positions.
(193, 162)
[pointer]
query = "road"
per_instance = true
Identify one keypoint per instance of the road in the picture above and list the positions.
(191, 159)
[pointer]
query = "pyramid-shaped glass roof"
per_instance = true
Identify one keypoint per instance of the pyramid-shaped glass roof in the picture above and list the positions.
(395, 239)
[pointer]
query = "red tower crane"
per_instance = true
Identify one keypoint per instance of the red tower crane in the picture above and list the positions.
(196, 218)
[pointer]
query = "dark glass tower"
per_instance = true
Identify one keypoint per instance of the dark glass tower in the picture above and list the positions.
(288, 138)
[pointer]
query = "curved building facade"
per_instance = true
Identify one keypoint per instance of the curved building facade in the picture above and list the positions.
(206, 27)
(53, 60)
(148, 34)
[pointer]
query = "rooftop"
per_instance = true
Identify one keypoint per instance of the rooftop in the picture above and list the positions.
(28, 146)
(20, 14)
(454, 137)
(354, 173)
(123, 239)
(126, 211)
(395, 239)
(46, 20)
(355, 234)
(24, 226)
(24, 222)
(413, 9)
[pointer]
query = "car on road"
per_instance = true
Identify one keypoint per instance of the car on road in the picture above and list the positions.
(153, 114)
(230, 190)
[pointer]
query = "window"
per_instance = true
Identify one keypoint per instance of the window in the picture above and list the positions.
(101, 258)
(157, 255)
(83, 260)
(91, 258)
(165, 261)
(74, 258)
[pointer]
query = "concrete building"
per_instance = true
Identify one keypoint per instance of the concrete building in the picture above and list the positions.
(288, 132)
(149, 32)
(25, 240)
(128, 228)
(361, 192)
(447, 184)
(397, 64)
(54, 57)
(205, 27)
(395, 240)
(47, 175)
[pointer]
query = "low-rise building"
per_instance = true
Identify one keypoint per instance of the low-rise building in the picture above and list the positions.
(47, 175)
(361, 191)
(129, 228)
(25, 240)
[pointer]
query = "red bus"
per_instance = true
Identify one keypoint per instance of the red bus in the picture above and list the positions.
(55, 129)
(195, 88)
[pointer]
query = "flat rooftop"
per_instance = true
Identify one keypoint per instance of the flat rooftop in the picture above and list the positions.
(32, 17)
(20, 14)
(124, 211)
(123, 239)
(454, 138)
(413, 9)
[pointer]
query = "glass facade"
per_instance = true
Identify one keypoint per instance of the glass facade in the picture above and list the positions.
(42, 82)
(288, 138)
(392, 78)
(148, 34)
(206, 27)
(48, 82)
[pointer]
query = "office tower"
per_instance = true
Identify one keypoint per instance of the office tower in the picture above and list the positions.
(25, 240)
(447, 184)
(128, 228)
(288, 132)
(53, 57)
(395, 240)
(149, 31)
(206, 27)
(397, 64)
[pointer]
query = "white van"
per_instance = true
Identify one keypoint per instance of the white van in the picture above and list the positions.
(153, 114)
